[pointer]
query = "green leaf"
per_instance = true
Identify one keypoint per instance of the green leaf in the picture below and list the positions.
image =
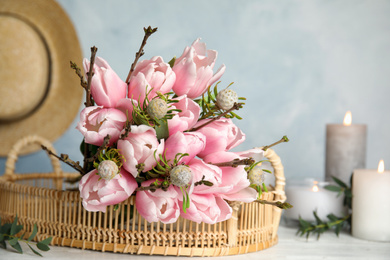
(6, 228)
(333, 188)
(338, 229)
(265, 187)
(303, 223)
(48, 240)
(332, 217)
(3, 244)
(17, 247)
(340, 182)
(267, 171)
(318, 220)
(43, 246)
(33, 233)
(187, 200)
(14, 226)
(35, 251)
(172, 62)
(162, 130)
(1, 237)
(13, 241)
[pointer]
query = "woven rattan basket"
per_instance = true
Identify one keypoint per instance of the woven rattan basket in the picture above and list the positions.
(42, 198)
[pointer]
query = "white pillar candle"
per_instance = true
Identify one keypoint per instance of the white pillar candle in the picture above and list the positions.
(310, 196)
(371, 204)
(345, 149)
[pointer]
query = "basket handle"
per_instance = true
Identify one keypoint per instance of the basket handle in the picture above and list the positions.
(280, 180)
(28, 140)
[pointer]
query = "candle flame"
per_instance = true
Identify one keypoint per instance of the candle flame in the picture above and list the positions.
(381, 166)
(347, 118)
(315, 188)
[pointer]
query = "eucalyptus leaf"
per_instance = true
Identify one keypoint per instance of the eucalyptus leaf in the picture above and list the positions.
(17, 247)
(34, 251)
(13, 241)
(33, 233)
(14, 226)
(3, 244)
(6, 228)
(43, 246)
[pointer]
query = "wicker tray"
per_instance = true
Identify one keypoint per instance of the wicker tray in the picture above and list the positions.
(41, 198)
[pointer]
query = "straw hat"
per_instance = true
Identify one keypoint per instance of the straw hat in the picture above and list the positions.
(39, 93)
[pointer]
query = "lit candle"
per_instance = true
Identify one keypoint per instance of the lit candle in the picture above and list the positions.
(345, 149)
(371, 204)
(310, 196)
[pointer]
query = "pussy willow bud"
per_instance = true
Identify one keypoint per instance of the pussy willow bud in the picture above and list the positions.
(180, 175)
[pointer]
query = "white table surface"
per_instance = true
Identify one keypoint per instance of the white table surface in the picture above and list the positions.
(290, 246)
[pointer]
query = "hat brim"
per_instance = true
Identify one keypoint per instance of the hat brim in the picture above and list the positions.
(63, 98)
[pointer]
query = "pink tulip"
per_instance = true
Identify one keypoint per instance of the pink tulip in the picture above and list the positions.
(106, 86)
(191, 143)
(151, 75)
(126, 106)
(97, 122)
(98, 194)
(221, 135)
(185, 119)
(158, 205)
(194, 70)
(139, 148)
(200, 169)
(207, 208)
(233, 178)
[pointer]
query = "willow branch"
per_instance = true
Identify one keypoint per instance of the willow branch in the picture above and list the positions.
(106, 142)
(148, 32)
(90, 74)
(278, 204)
(236, 106)
(74, 66)
(235, 162)
(284, 139)
(65, 158)
(88, 101)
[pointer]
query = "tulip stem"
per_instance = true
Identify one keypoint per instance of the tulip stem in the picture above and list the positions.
(148, 32)
(236, 106)
(65, 158)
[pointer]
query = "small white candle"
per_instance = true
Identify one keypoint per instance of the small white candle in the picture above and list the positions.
(310, 196)
(345, 149)
(371, 204)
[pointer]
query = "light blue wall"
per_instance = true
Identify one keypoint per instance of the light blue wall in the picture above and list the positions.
(301, 65)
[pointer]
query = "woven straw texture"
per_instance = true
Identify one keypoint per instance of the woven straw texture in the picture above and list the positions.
(45, 199)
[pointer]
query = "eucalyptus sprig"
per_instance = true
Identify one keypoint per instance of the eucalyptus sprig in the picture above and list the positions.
(9, 231)
(334, 222)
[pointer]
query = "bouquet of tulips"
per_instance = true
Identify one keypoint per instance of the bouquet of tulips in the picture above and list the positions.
(164, 135)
